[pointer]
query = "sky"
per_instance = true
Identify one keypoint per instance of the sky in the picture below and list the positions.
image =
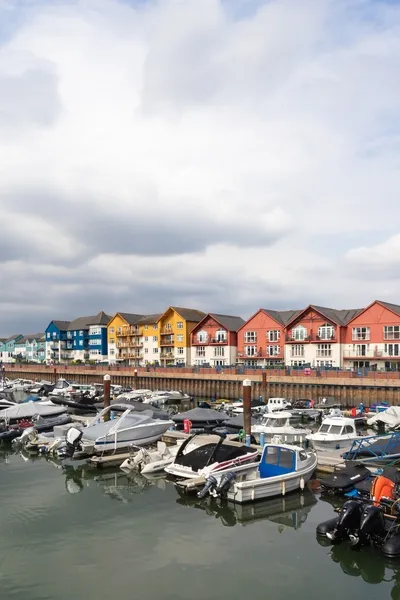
(223, 155)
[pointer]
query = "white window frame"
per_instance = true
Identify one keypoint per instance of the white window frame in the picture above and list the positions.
(297, 350)
(250, 337)
(324, 350)
(273, 350)
(273, 335)
(360, 333)
(326, 332)
(391, 332)
(250, 350)
(299, 333)
(200, 351)
(179, 325)
(202, 336)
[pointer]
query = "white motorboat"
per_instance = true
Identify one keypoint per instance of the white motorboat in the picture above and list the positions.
(132, 427)
(134, 395)
(334, 433)
(282, 469)
(22, 385)
(165, 397)
(389, 419)
(278, 423)
(212, 455)
(61, 387)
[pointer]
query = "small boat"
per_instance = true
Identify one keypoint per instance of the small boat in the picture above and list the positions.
(30, 409)
(201, 419)
(334, 433)
(133, 395)
(60, 387)
(344, 481)
(212, 455)
(132, 427)
(165, 398)
(375, 521)
(375, 450)
(278, 423)
(39, 424)
(388, 419)
(282, 469)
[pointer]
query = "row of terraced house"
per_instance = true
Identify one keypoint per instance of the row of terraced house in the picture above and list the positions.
(316, 337)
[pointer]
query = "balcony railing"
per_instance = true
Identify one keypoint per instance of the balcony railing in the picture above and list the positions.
(167, 342)
(167, 355)
(292, 340)
(166, 331)
(218, 341)
(365, 354)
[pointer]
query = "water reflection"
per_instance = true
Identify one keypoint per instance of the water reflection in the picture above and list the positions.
(368, 564)
(290, 511)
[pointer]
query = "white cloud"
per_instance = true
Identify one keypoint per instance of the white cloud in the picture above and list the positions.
(173, 144)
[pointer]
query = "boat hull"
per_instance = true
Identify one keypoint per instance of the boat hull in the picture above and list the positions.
(258, 489)
(325, 445)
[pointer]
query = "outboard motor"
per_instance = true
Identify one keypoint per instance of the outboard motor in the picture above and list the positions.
(209, 486)
(225, 484)
(371, 525)
(348, 522)
(72, 439)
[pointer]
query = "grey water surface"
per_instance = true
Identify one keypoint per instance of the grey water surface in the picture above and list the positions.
(68, 532)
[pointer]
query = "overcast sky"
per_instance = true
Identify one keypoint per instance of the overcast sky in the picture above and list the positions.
(215, 154)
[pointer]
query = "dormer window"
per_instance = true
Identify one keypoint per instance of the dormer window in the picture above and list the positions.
(221, 335)
(326, 332)
(202, 336)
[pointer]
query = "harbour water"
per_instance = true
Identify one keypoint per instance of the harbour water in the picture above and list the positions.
(70, 532)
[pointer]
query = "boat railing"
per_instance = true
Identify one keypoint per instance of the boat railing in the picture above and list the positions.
(362, 444)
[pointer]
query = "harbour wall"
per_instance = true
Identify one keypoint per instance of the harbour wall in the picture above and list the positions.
(349, 391)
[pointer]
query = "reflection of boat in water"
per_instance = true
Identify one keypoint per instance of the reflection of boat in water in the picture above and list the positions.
(117, 485)
(367, 563)
(288, 511)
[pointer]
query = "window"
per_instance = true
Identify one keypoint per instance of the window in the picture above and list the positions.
(155, 350)
(54, 335)
(221, 335)
(146, 327)
(200, 351)
(273, 335)
(179, 337)
(324, 363)
(250, 337)
(112, 352)
(112, 340)
(146, 339)
(219, 351)
(273, 350)
(250, 350)
(297, 363)
(324, 350)
(155, 326)
(299, 333)
(155, 338)
(392, 349)
(48, 336)
(81, 332)
(391, 332)
(180, 350)
(81, 342)
(298, 350)
(360, 333)
(119, 330)
(326, 332)
(201, 336)
(111, 329)
(146, 350)
(179, 325)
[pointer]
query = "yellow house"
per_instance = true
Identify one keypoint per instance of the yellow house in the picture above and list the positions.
(122, 338)
(174, 328)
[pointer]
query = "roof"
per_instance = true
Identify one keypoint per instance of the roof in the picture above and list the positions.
(229, 322)
(188, 314)
(61, 325)
(13, 337)
(29, 337)
(282, 316)
(394, 307)
(85, 322)
(130, 317)
(340, 317)
(148, 319)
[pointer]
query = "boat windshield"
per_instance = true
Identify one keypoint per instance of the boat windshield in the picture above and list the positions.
(276, 422)
(336, 429)
(324, 428)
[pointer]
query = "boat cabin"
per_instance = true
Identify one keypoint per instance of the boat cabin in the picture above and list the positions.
(278, 404)
(338, 426)
(280, 460)
(278, 419)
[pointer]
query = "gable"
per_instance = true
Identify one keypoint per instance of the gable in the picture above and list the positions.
(376, 313)
(261, 320)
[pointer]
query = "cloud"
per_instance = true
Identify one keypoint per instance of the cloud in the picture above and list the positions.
(212, 154)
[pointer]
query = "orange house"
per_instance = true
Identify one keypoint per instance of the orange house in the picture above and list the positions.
(314, 337)
(214, 340)
(372, 338)
(261, 340)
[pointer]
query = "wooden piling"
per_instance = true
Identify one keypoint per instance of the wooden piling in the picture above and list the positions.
(247, 409)
(106, 389)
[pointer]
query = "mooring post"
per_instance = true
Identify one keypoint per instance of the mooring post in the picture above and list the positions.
(247, 410)
(106, 392)
(135, 379)
(55, 375)
(264, 386)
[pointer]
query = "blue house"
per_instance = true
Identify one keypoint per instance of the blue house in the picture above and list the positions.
(7, 347)
(56, 341)
(89, 337)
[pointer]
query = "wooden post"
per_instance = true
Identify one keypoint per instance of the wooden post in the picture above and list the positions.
(247, 410)
(106, 391)
(135, 379)
(55, 375)
(264, 386)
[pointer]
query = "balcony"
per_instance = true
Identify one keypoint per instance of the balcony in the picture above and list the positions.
(129, 344)
(127, 331)
(261, 354)
(218, 341)
(166, 331)
(291, 340)
(166, 355)
(167, 341)
(359, 354)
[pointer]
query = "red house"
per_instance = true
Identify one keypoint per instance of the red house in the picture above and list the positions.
(214, 340)
(372, 338)
(261, 340)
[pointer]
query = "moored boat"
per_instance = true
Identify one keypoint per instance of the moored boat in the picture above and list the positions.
(334, 433)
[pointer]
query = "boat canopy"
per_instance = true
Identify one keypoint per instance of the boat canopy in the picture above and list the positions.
(280, 460)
